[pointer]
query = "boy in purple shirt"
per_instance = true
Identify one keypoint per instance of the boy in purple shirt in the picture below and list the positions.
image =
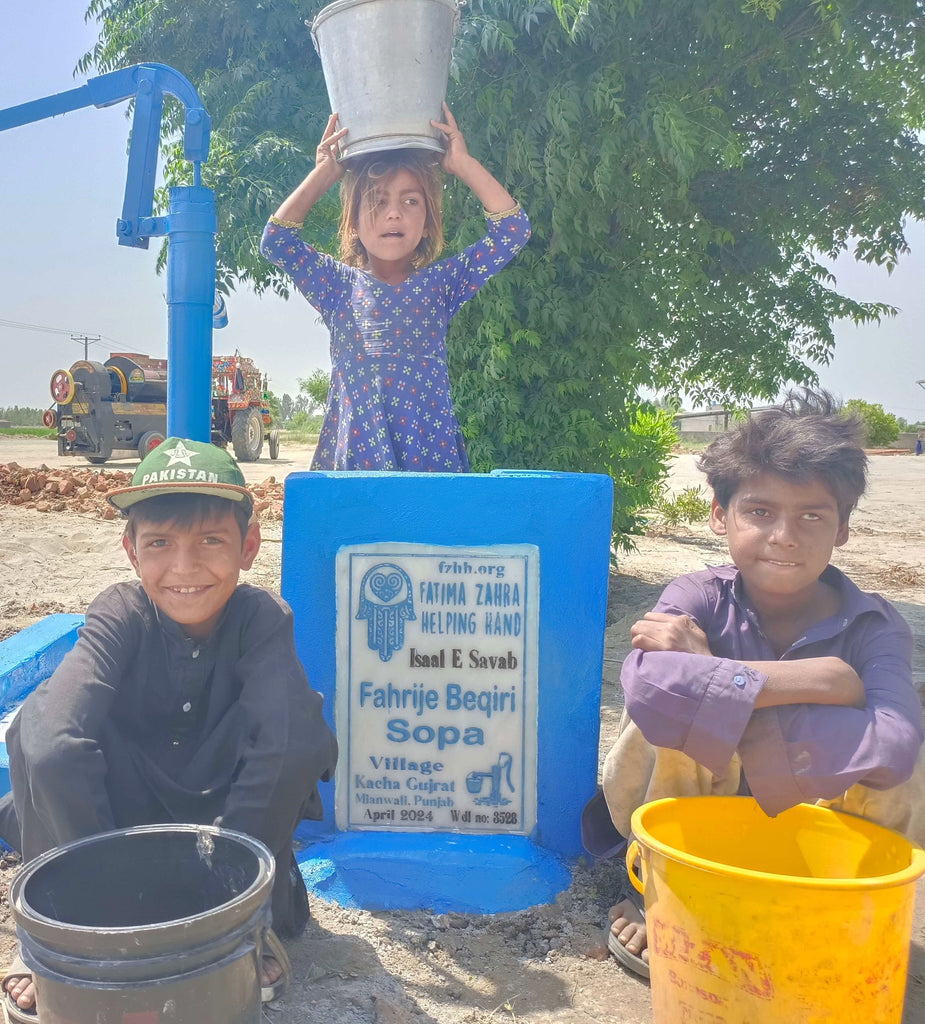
(775, 676)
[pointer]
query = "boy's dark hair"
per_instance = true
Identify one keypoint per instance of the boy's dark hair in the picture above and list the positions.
(186, 510)
(807, 437)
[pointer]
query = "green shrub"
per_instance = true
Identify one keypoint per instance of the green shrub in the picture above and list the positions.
(687, 507)
(302, 428)
(28, 432)
(880, 428)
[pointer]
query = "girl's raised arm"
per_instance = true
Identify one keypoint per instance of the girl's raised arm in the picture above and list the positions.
(457, 160)
(326, 172)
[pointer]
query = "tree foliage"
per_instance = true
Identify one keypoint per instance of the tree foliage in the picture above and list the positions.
(21, 416)
(316, 386)
(881, 428)
(687, 166)
(272, 401)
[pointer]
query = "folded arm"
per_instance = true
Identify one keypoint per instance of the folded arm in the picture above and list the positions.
(822, 680)
(806, 728)
(803, 752)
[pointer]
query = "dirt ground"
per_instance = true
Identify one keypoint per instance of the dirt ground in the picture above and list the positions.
(536, 966)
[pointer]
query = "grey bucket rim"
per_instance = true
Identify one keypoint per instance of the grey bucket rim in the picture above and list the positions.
(339, 5)
(373, 144)
(50, 926)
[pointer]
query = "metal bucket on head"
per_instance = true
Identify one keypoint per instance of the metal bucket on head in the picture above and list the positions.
(159, 922)
(386, 65)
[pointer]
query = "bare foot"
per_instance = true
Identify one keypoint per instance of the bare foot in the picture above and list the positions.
(628, 926)
(22, 989)
(271, 970)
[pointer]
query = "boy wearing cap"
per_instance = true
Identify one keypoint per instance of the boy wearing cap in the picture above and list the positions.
(183, 699)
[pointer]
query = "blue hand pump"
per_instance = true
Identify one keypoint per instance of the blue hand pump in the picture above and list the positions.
(190, 224)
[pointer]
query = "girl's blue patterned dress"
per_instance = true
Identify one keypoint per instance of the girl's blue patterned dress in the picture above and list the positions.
(389, 407)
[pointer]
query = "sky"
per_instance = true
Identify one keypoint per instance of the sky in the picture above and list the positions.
(60, 265)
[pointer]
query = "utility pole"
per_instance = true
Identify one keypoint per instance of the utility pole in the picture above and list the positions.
(87, 339)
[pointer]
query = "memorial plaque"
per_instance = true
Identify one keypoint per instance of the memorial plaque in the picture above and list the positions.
(437, 687)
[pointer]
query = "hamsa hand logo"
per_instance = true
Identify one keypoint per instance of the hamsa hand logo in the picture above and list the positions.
(386, 602)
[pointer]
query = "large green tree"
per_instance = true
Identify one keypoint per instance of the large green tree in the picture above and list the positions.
(687, 165)
(880, 428)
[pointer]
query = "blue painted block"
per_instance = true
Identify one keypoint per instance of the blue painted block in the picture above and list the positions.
(566, 519)
(32, 654)
(440, 872)
(26, 659)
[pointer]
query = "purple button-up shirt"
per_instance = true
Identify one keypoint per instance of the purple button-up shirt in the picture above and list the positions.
(705, 706)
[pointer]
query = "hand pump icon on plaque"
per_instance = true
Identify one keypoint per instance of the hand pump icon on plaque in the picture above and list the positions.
(494, 798)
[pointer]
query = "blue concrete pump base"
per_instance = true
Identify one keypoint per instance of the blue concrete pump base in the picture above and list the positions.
(438, 872)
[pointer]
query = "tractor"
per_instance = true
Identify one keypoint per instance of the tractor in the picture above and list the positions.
(121, 406)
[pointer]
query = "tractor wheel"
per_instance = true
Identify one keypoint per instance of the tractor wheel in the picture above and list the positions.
(97, 460)
(247, 435)
(274, 443)
(62, 387)
(149, 440)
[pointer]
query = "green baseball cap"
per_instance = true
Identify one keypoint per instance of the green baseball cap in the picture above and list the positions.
(180, 466)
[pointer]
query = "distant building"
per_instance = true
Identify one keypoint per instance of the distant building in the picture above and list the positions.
(707, 421)
(703, 426)
(715, 420)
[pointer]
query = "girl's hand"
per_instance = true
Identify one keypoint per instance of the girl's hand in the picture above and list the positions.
(326, 172)
(326, 162)
(456, 155)
(458, 160)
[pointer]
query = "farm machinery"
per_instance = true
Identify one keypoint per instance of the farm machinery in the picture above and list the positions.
(121, 406)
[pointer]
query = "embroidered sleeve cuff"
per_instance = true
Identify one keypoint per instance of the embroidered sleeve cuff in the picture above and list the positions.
(286, 223)
(504, 213)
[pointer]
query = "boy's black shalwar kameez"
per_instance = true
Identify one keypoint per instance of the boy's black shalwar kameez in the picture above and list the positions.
(141, 724)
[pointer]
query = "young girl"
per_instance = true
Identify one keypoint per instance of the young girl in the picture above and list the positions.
(387, 306)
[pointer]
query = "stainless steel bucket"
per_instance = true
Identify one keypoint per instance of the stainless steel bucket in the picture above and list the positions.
(153, 923)
(386, 65)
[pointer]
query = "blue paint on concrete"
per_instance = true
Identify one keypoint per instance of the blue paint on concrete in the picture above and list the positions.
(568, 517)
(27, 658)
(442, 872)
(32, 654)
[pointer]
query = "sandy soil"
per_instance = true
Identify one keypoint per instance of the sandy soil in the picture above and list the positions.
(536, 966)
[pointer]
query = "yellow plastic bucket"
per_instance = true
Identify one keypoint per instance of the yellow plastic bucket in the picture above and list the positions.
(798, 919)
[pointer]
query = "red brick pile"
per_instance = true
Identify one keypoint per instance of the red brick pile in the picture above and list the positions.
(268, 499)
(84, 491)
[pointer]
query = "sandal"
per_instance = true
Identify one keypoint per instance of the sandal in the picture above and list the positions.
(631, 961)
(14, 1012)
(274, 948)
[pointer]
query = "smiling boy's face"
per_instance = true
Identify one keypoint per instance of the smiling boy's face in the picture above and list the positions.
(191, 570)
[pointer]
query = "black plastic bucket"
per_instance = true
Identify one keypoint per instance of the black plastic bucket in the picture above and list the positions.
(160, 924)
